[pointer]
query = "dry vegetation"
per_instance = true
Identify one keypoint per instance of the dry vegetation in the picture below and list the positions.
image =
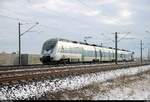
(88, 92)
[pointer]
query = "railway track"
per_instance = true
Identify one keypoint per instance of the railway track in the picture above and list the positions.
(20, 74)
(35, 66)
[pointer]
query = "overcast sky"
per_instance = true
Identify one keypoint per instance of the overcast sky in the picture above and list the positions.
(74, 19)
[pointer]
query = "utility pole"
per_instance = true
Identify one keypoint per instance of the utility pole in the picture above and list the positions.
(21, 34)
(19, 43)
(116, 55)
(116, 44)
(141, 51)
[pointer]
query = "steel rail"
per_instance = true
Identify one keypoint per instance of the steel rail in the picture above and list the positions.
(36, 66)
(15, 75)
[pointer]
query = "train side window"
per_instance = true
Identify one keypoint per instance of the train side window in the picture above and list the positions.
(111, 55)
(93, 53)
(85, 52)
(103, 54)
(76, 50)
(65, 50)
(120, 56)
(71, 50)
(89, 53)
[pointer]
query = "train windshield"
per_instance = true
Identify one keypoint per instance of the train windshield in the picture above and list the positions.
(48, 45)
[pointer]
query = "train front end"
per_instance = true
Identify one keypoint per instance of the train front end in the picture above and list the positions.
(48, 51)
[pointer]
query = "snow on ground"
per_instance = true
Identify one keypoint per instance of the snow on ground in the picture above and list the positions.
(137, 90)
(36, 90)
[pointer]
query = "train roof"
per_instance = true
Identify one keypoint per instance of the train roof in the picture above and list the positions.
(66, 40)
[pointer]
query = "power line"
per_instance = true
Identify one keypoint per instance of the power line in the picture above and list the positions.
(17, 19)
(21, 34)
(50, 27)
(87, 6)
(116, 45)
(12, 11)
(29, 29)
(123, 37)
(107, 37)
(14, 18)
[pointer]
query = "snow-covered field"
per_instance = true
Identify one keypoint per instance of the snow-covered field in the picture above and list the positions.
(36, 90)
(137, 90)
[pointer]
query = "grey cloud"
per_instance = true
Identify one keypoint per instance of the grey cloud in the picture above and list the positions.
(70, 25)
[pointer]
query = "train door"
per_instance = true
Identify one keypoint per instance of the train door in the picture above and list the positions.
(83, 55)
(113, 56)
(95, 54)
(100, 54)
(132, 58)
(109, 56)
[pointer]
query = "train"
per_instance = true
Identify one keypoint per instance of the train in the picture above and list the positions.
(58, 50)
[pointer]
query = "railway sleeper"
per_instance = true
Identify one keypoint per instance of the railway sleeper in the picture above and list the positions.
(61, 75)
(70, 72)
